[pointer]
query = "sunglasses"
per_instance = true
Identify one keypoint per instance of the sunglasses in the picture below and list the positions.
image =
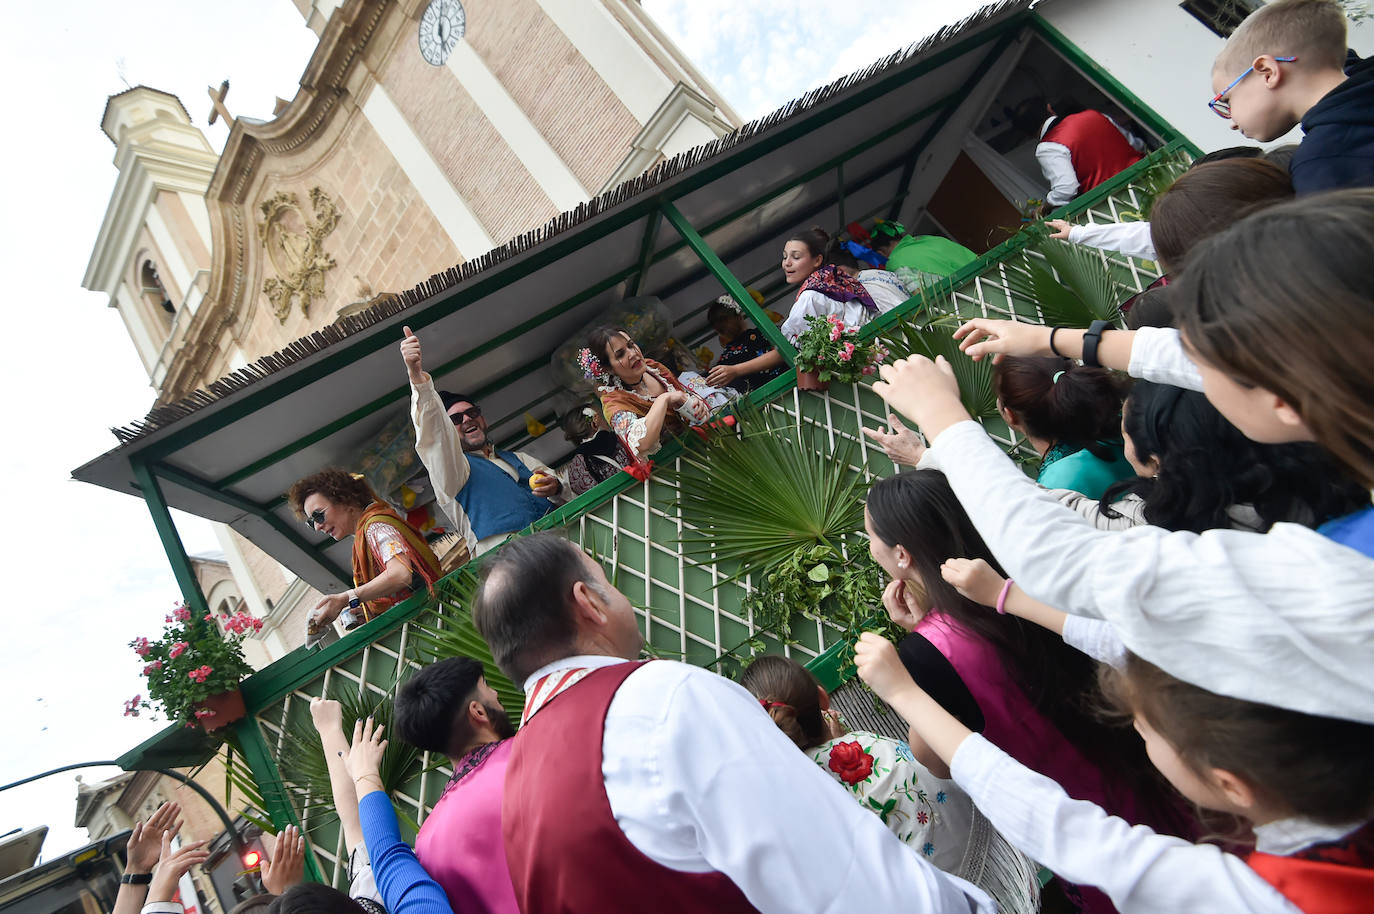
(315, 518)
(1223, 108)
(458, 417)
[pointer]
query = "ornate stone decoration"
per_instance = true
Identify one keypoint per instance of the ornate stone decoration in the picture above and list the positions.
(295, 244)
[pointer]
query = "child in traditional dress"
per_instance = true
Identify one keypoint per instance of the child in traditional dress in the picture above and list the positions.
(747, 360)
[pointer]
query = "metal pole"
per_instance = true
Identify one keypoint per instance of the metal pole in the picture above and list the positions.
(171, 543)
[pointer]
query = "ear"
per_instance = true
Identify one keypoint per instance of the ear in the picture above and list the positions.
(477, 714)
(1152, 465)
(824, 697)
(902, 556)
(1237, 792)
(1269, 70)
(1007, 415)
(1287, 414)
(587, 605)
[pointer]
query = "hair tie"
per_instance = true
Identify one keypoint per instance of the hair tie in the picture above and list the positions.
(729, 302)
(1057, 376)
(591, 365)
(770, 705)
(588, 412)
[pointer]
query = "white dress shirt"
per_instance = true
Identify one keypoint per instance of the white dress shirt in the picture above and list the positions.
(700, 779)
(1056, 161)
(1129, 238)
(440, 447)
(813, 304)
(1285, 617)
(1140, 871)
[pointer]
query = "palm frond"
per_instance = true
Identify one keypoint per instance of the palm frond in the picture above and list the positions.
(751, 500)
(1067, 282)
(976, 390)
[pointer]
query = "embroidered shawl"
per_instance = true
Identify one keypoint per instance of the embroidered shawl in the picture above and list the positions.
(834, 283)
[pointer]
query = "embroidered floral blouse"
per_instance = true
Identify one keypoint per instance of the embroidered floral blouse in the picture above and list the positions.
(632, 426)
(931, 815)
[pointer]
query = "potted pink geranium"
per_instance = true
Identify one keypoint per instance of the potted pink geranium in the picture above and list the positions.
(828, 350)
(194, 669)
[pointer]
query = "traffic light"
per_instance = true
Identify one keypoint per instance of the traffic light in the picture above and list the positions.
(252, 854)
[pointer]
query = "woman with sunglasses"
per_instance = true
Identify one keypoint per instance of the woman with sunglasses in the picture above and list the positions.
(391, 560)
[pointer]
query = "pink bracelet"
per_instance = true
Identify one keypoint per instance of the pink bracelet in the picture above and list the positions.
(1002, 597)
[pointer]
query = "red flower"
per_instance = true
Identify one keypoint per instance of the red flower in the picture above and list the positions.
(140, 646)
(177, 649)
(850, 762)
(181, 614)
(922, 818)
(155, 665)
(640, 469)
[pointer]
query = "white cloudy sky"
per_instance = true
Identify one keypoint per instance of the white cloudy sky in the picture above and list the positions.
(89, 568)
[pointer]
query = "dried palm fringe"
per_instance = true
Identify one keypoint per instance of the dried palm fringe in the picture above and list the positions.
(162, 416)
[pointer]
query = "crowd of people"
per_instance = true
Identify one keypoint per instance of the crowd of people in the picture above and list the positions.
(1146, 670)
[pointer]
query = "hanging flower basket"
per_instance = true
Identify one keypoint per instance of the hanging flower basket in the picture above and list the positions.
(828, 350)
(220, 710)
(811, 380)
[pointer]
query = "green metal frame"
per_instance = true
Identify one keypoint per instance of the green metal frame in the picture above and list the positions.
(267, 778)
(182, 569)
(1095, 72)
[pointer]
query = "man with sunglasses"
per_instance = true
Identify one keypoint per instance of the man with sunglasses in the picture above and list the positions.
(485, 493)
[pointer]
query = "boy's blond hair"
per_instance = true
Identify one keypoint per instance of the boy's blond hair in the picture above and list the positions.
(1314, 31)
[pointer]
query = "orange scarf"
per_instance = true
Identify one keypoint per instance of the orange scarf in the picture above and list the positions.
(366, 565)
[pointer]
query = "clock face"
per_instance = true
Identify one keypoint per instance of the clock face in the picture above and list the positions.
(443, 23)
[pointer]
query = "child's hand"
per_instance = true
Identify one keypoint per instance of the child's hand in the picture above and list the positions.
(982, 337)
(902, 606)
(722, 375)
(975, 579)
(365, 756)
(880, 667)
(1059, 228)
(287, 864)
(902, 445)
(172, 865)
(923, 391)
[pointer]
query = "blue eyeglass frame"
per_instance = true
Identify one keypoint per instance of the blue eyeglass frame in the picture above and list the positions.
(1223, 109)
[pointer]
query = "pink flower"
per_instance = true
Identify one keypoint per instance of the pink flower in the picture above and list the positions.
(257, 623)
(140, 646)
(834, 334)
(209, 617)
(167, 618)
(846, 356)
(178, 649)
(181, 614)
(869, 369)
(131, 706)
(832, 318)
(203, 713)
(200, 673)
(155, 665)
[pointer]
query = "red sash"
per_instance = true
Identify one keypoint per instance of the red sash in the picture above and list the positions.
(1335, 878)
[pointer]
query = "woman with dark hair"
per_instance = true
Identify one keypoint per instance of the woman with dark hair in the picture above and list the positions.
(1004, 677)
(641, 399)
(822, 288)
(391, 560)
(1196, 471)
(1071, 415)
(931, 815)
(599, 454)
(747, 360)
(1206, 199)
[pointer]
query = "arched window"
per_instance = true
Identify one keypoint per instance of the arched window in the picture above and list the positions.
(155, 293)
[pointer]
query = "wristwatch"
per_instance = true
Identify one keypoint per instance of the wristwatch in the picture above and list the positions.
(353, 601)
(136, 878)
(1091, 339)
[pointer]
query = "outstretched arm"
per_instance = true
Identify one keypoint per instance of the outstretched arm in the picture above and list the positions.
(327, 716)
(436, 440)
(141, 853)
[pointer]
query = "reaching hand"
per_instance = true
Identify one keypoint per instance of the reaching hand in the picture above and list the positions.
(327, 610)
(903, 446)
(676, 398)
(902, 605)
(172, 865)
(975, 579)
(924, 391)
(326, 714)
(982, 337)
(145, 844)
(722, 375)
(1059, 228)
(286, 867)
(880, 667)
(365, 756)
(410, 353)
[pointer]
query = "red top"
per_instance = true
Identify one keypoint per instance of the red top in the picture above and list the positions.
(1336, 878)
(1098, 149)
(566, 851)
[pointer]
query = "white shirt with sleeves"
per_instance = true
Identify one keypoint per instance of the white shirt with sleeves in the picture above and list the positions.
(813, 304)
(700, 779)
(1157, 355)
(1096, 638)
(1056, 161)
(1285, 618)
(1129, 238)
(1140, 871)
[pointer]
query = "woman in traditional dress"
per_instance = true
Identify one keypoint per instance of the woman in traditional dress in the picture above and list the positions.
(823, 288)
(391, 560)
(642, 400)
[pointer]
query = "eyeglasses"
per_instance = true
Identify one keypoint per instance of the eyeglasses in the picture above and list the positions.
(458, 417)
(315, 518)
(1223, 108)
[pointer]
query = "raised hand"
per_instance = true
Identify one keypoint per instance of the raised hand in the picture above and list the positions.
(924, 391)
(326, 714)
(975, 579)
(1059, 228)
(145, 844)
(365, 756)
(880, 667)
(903, 446)
(287, 864)
(410, 353)
(172, 865)
(981, 337)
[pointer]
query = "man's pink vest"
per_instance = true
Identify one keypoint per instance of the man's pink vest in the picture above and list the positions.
(565, 850)
(1098, 149)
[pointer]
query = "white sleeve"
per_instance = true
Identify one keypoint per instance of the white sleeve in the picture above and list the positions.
(1057, 164)
(727, 798)
(534, 465)
(441, 451)
(1130, 238)
(1182, 600)
(1096, 638)
(1157, 355)
(162, 907)
(1131, 509)
(809, 304)
(1140, 871)
(1136, 142)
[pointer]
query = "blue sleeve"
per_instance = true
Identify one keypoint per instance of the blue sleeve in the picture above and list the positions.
(405, 886)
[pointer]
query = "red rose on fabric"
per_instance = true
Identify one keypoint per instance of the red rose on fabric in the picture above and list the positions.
(850, 762)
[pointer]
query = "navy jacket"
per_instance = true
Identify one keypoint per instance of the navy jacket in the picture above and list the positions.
(1338, 143)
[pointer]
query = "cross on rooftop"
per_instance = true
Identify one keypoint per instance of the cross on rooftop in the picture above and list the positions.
(217, 99)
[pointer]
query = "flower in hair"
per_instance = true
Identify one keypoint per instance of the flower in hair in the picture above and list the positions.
(729, 302)
(591, 365)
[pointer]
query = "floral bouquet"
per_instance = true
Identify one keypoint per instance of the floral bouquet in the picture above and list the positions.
(834, 352)
(190, 663)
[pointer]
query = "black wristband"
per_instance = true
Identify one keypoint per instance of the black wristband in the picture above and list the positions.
(1090, 341)
(1053, 331)
(136, 878)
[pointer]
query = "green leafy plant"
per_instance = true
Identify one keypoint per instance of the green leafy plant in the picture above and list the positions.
(1068, 283)
(935, 337)
(835, 352)
(194, 659)
(820, 582)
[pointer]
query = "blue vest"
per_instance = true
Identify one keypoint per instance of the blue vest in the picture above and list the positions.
(494, 502)
(1354, 530)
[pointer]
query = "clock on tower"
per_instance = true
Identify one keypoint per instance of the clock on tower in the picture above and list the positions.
(442, 24)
